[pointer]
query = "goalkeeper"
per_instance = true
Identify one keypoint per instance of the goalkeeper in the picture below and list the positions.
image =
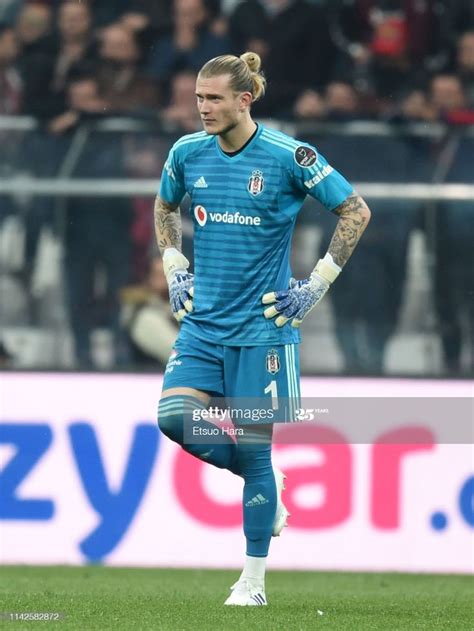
(240, 310)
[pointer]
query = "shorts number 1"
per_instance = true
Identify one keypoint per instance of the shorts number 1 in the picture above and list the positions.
(272, 389)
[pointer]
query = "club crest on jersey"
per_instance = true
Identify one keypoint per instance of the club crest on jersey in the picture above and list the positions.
(201, 215)
(256, 183)
(305, 156)
(273, 361)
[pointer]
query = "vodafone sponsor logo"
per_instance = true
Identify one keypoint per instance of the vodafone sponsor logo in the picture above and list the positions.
(202, 217)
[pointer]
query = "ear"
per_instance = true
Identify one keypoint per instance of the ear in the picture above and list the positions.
(245, 101)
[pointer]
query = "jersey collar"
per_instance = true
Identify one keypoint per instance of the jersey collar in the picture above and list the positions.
(241, 153)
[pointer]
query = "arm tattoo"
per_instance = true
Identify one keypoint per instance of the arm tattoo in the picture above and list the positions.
(354, 215)
(167, 225)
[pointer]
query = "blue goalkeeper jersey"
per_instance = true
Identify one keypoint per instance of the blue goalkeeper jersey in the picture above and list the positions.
(244, 209)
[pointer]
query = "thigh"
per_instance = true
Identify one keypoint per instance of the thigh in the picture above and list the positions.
(195, 364)
(267, 375)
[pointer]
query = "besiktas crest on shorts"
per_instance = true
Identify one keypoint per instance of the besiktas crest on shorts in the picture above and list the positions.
(256, 183)
(273, 361)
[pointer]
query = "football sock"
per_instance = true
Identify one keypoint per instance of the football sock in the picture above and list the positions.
(175, 411)
(254, 570)
(254, 455)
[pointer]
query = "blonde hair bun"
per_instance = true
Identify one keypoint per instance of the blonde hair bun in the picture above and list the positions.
(252, 60)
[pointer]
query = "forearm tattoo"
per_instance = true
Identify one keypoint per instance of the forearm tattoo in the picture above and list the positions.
(354, 215)
(167, 225)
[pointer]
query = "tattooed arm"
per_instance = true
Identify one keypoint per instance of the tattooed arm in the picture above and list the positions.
(354, 215)
(169, 235)
(293, 304)
(167, 225)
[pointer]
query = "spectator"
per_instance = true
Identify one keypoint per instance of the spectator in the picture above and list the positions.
(48, 70)
(453, 277)
(454, 260)
(147, 317)
(144, 159)
(386, 45)
(97, 248)
(414, 107)
(449, 101)
(10, 103)
(465, 65)
(292, 37)
(149, 20)
(121, 82)
(75, 39)
(10, 81)
(366, 313)
(105, 12)
(97, 231)
(309, 105)
(341, 102)
(191, 43)
(33, 25)
(181, 111)
(82, 99)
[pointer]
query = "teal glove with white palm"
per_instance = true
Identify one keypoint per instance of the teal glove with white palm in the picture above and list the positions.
(301, 296)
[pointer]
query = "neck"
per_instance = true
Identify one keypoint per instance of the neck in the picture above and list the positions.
(236, 137)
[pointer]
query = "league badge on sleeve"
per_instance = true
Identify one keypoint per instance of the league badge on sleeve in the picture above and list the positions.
(256, 183)
(273, 361)
(305, 156)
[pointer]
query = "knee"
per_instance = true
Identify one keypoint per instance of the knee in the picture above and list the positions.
(173, 412)
(170, 418)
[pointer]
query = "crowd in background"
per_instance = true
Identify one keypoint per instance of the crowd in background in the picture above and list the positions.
(71, 61)
(337, 60)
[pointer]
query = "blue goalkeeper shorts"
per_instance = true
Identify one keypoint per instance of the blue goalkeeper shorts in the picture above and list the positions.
(250, 375)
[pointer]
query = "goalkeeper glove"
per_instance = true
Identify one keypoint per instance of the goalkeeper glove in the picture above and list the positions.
(302, 295)
(180, 282)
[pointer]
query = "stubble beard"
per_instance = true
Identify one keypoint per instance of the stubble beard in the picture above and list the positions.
(225, 130)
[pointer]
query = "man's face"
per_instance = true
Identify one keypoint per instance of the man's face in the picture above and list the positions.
(74, 20)
(190, 12)
(33, 22)
(220, 108)
(118, 45)
(447, 93)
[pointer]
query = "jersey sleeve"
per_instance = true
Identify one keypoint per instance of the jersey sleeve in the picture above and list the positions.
(172, 186)
(313, 175)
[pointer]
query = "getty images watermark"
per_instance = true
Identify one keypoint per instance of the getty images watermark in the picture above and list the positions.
(241, 417)
(336, 420)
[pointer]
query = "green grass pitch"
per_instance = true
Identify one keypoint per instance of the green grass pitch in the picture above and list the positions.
(134, 599)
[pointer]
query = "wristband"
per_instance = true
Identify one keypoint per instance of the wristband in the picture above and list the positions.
(174, 262)
(327, 269)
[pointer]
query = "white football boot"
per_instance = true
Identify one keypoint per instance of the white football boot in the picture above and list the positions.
(281, 514)
(245, 594)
